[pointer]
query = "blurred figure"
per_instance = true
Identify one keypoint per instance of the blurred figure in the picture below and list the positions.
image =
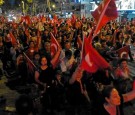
(24, 105)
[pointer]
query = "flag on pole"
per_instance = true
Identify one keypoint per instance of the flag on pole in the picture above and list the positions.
(54, 48)
(123, 52)
(104, 13)
(91, 59)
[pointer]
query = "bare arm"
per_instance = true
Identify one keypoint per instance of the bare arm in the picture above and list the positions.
(129, 96)
(56, 56)
(37, 78)
(77, 75)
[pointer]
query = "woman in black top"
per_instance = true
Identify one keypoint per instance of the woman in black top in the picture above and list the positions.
(44, 77)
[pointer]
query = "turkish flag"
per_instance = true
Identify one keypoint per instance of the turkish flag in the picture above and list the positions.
(123, 52)
(54, 48)
(91, 59)
(104, 13)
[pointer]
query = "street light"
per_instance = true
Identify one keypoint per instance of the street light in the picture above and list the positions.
(1, 2)
(53, 6)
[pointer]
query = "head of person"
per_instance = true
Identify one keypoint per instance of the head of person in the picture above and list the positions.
(24, 105)
(47, 46)
(67, 45)
(31, 44)
(43, 61)
(111, 95)
(58, 75)
(103, 44)
(123, 63)
(68, 54)
(20, 59)
(36, 56)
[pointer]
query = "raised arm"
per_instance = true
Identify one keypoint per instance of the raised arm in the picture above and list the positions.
(129, 96)
(56, 56)
(77, 75)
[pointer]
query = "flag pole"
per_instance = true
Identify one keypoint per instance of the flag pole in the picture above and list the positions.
(29, 60)
(55, 39)
(82, 49)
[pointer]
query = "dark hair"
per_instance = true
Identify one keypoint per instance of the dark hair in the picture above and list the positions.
(121, 60)
(68, 53)
(24, 105)
(107, 90)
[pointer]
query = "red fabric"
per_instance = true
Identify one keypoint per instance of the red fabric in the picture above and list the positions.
(91, 59)
(13, 39)
(54, 45)
(43, 19)
(73, 20)
(134, 85)
(54, 49)
(38, 41)
(27, 20)
(123, 52)
(105, 12)
(55, 17)
(55, 30)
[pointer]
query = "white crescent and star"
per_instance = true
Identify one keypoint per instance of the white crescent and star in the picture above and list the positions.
(87, 59)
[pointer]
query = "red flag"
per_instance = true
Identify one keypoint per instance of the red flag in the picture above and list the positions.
(123, 52)
(91, 59)
(38, 41)
(134, 85)
(13, 39)
(73, 19)
(55, 30)
(27, 20)
(105, 12)
(54, 45)
(55, 17)
(54, 49)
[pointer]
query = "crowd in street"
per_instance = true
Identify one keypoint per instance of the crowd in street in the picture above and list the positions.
(59, 81)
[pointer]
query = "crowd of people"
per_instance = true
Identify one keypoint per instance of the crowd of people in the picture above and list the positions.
(64, 86)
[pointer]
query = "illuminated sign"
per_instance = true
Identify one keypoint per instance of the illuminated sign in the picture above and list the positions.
(120, 4)
(125, 4)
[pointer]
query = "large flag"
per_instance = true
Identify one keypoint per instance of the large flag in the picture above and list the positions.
(105, 12)
(54, 48)
(123, 52)
(91, 59)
